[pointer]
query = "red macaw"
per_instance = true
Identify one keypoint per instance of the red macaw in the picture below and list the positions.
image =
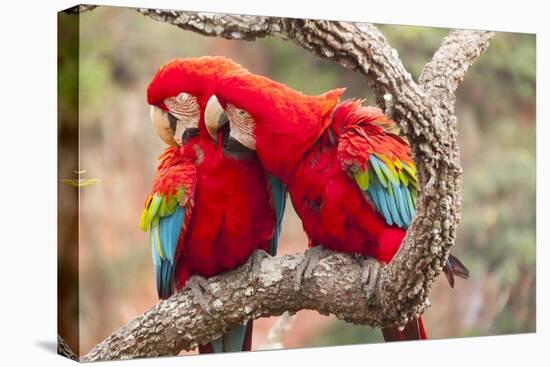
(210, 209)
(352, 182)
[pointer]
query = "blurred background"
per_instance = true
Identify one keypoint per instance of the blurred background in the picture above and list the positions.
(119, 53)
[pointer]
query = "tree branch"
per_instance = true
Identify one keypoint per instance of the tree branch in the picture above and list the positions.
(425, 111)
(459, 50)
(235, 297)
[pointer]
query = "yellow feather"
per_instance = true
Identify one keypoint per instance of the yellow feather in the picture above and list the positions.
(144, 220)
(398, 164)
(148, 201)
(158, 242)
(411, 169)
(362, 179)
(391, 168)
(403, 177)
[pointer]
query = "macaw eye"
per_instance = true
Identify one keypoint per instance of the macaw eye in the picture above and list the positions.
(240, 115)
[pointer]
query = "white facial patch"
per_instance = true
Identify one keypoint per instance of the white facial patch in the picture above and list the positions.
(185, 108)
(159, 120)
(242, 126)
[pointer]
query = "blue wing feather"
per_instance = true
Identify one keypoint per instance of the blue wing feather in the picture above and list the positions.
(393, 199)
(169, 231)
(278, 190)
(169, 228)
(217, 345)
(377, 192)
(232, 341)
(401, 204)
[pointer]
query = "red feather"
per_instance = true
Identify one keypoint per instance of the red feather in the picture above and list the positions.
(232, 214)
(287, 121)
(198, 76)
(297, 140)
(231, 211)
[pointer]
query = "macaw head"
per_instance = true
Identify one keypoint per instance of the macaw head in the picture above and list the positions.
(280, 123)
(179, 92)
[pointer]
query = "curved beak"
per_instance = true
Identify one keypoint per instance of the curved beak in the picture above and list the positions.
(161, 124)
(214, 117)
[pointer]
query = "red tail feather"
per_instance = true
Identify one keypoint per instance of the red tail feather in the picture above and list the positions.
(414, 330)
(423, 335)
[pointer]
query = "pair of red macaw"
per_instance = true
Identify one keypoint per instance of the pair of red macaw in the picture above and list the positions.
(238, 142)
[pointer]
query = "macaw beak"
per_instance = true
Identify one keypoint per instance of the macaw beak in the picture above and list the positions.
(161, 124)
(214, 117)
(169, 129)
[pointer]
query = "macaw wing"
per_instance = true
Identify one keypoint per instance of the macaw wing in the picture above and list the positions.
(279, 191)
(166, 215)
(381, 164)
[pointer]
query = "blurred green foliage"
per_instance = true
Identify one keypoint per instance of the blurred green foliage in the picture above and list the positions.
(68, 68)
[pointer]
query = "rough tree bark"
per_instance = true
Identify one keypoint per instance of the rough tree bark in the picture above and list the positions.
(425, 112)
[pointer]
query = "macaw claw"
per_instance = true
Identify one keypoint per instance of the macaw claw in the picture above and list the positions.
(305, 269)
(198, 286)
(255, 261)
(369, 274)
